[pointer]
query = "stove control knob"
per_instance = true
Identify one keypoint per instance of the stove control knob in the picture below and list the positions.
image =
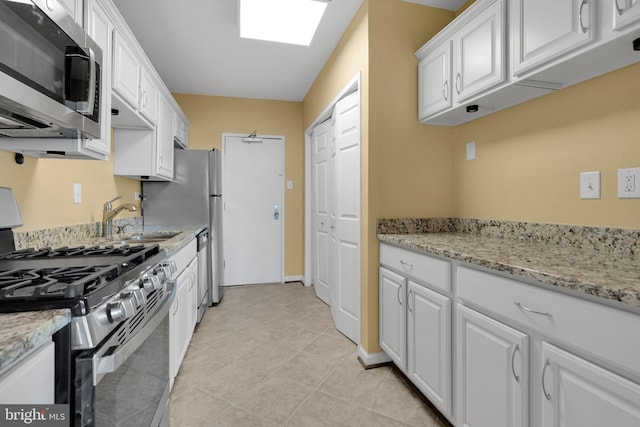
(121, 310)
(139, 297)
(151, 283)
(168, 268)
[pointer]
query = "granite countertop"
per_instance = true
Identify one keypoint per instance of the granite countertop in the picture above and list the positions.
(22, 332)
(573, 258)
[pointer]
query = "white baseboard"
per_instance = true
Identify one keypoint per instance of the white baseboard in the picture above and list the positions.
(372, 360)
(293, 278)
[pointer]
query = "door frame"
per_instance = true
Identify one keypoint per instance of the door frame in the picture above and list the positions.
(353, 85)
(282, 188)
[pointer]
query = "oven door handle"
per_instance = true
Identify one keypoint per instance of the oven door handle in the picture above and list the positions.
(109, 363)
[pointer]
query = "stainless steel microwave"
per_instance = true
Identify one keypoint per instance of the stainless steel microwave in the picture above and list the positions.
(49, 73)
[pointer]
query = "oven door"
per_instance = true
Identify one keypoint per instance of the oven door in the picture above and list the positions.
(127, 384)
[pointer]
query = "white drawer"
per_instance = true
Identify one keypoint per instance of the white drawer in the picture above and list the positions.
(184, 256)
(423, 268)
(600, 330)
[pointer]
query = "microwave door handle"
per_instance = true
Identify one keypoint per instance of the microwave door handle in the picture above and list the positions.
(92, 82)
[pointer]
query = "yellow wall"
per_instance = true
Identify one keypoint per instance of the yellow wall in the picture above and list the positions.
(44, 190)
(406, 167)
(410, 165)
(210, 116)
(529, 157)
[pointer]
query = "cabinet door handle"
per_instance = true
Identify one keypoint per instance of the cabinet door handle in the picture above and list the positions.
(529, 310)
(582, 27)
(445, 90)
(458, 83)
(406, 264)
(409, 301)
(399, 300)
(513, 357)
(544, 371)
(618, 8)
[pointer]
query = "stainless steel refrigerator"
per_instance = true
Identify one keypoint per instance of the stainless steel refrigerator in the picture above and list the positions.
(193, 198)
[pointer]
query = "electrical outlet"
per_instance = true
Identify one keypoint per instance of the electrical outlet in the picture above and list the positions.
(629, 183)
(590, 185)
(471, 150)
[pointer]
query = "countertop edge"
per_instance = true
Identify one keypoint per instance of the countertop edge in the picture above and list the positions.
(602, 293)
(48, 323)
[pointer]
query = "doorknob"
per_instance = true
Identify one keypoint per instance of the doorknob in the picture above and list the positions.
(276, 212)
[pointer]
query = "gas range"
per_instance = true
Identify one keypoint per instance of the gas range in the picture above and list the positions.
(101, 285)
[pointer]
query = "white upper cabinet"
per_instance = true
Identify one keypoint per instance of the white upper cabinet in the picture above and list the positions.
(100, 29)
(479, 54)
(625, 13)
(75, 9)
(146, 154)
(148, 101)
(543, 30)
(126, 70)
(434, 81)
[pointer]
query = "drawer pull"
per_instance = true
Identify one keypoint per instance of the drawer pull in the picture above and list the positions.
(544, 371)
(406, 264)
(527, 309)
(513, 368)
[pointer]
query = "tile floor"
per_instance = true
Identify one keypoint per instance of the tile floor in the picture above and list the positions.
(269, 355)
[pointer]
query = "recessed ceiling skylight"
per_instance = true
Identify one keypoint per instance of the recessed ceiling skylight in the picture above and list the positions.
(284, 21)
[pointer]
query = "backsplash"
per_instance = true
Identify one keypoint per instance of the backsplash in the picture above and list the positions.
(619, 241)
(68, 234)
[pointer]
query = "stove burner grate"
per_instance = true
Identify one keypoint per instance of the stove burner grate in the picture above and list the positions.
(73, 251)
(64, 282)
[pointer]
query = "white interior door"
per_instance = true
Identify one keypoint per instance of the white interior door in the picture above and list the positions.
(321, 146)
(345, 217)
(253, 209)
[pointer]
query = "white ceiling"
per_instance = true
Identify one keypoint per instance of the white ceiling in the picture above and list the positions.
(195, 47)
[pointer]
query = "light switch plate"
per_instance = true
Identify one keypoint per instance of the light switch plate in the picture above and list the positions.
(590, 185)
(77, 193)
(471, 150)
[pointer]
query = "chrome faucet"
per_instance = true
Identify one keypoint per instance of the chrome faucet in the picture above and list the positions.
(108, 214)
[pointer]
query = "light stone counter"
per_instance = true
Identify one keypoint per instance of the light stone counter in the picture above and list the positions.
(598, 262)
(22, 332)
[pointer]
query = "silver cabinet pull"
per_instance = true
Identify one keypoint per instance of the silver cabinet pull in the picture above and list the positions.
(459, 82)
(406, 264)
(618, 8)
(513, 368)
(399, 289)
(445, 89)
(544, 371)
(409, 301)
(582, 27)
(527, 309)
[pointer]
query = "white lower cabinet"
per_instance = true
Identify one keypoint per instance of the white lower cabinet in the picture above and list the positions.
(493, 372)
(415, 321)
(393, 317)
(577, 393)
(184, 310)
(521, 355)
(429, 344)
(31, 380)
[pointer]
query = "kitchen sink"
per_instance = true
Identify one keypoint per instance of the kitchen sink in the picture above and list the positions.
(143, 238)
